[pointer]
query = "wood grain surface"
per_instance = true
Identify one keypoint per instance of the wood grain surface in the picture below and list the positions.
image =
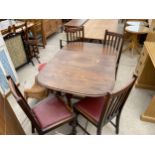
(85, 69)
(95, 28)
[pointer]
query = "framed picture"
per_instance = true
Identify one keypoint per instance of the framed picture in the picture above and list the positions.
(7, 68)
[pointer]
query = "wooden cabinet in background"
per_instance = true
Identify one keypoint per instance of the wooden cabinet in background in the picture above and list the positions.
(141, 61)
(146, 67)
(151, 36)
(51, 26)
(149, 114)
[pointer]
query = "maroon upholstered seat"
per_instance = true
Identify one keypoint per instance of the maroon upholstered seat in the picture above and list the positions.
(91, 107)
(47, 114)
(51, 110)
(41, 66)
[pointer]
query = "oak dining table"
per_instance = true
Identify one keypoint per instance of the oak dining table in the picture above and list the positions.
(83, 69)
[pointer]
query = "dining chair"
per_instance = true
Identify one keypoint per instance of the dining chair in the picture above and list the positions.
(31, 44)
(101, 110)
(114, 41)
(47, 114)
(73, 34)
(38, 31)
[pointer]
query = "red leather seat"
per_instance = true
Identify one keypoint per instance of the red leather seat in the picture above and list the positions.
(50, 111)
(92, 107)
(47, 114)
(41, 66)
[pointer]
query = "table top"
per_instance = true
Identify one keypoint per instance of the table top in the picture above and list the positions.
(4, 24)
(75, 22)
(137, 29)
(83, 69)
(137, 23)
(95, 28)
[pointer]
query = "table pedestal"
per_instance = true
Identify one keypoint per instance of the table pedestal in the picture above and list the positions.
(134, 44)
(134, 32)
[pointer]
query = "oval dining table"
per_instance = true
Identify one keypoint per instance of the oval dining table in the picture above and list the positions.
(83, 69)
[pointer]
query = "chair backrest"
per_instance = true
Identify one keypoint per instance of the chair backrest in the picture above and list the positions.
(74, 33)
(37, 31)
(114, 40)
(21, 101)
(115, 103)
(26, 31)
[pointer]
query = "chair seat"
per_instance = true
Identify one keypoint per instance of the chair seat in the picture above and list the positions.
(91, 107)
(41, 66)
(51, 111)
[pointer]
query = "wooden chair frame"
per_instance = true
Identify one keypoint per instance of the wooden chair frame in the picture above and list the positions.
(39, 29)
(26, 108)
(73, 34)
(31, 45)
(116, 41)
(114, 103)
